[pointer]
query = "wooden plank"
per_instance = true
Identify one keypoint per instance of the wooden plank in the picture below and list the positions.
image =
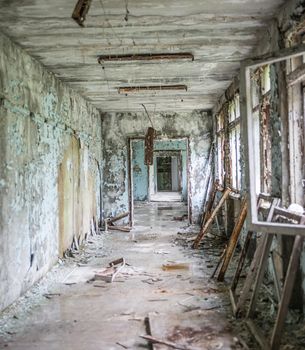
(168, 344)
(251, 272)
(117, 218)
(277, 285)
(258, 335)
(289, 214)
(233, 240)
(207, 195)
(241, 261)
(263, 260)
(287, 291)
(207, 212)
(210, 220)
(219, 262)
(260, 275)
(119, 228)
(296, 76)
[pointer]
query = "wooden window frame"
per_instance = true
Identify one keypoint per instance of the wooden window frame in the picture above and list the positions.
(246, 111)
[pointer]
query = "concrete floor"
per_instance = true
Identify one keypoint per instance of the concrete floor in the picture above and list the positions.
(183, 305)
(166, 197)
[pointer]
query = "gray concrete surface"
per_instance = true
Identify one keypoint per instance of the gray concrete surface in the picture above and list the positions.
(71, 313)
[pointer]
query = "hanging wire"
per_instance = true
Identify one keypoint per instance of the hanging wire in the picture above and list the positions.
(148, 115)
(107, 20)
(127, 11)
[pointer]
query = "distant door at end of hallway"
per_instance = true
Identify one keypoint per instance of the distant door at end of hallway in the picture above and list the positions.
(164, 173)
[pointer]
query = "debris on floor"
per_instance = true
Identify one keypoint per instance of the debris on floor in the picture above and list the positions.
(180, 218)
(109, 273)
(166, 343)
(109, 223)
(175, 266)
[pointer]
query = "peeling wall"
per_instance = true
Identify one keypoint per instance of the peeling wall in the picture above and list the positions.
(118, 127)
(139, 171)
(40, 119)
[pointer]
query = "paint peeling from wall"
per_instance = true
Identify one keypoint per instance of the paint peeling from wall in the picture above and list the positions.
(119, 127)
(38, 118)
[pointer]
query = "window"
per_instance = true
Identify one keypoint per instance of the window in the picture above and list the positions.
(234, 142)
(260, 104)
(220, 147)
(275, 122)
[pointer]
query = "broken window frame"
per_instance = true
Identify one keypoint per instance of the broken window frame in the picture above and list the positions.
(296, 102)
(234, 137)
(261, 105)
(246, 111)
(220, 137)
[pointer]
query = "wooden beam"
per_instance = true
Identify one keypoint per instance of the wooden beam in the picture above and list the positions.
(263, 260)
(296, 76)
(289, 214)
(117, 218)
(233, 240)
(287, 292)
(212, 217)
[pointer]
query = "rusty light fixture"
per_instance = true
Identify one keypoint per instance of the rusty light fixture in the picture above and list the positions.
(135, 89)
(146, 57)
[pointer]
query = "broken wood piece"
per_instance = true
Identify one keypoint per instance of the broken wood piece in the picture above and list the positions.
(180, 218)
(219, 262)
(233, 240)
(241, 260)
(117, 218)
(109, 274)
(212, 217)
(175, 266)
(296, 76)
(255, 263)
(287, 292)
(288, 214)
(165, 342)
(119, 228)
(207, 212)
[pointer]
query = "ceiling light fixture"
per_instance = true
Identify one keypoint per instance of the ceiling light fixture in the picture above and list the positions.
(132, 89)
(80, 11)
(146, 57)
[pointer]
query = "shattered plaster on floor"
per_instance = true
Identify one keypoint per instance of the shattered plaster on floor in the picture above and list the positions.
(65, 310)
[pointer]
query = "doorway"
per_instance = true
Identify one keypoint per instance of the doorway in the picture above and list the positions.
(168, 171)
(166, 180)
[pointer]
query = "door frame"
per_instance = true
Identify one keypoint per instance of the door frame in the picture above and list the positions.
(130, 175)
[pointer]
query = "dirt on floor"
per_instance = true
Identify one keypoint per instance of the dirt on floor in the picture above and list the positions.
(164, 290)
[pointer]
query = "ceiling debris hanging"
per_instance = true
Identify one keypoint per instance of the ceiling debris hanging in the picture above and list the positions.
(149, 141)
(80, 11)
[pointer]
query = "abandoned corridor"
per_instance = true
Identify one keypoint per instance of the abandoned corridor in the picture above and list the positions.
(162, 281)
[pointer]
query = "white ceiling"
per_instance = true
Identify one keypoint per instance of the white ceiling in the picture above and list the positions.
(219, 33)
